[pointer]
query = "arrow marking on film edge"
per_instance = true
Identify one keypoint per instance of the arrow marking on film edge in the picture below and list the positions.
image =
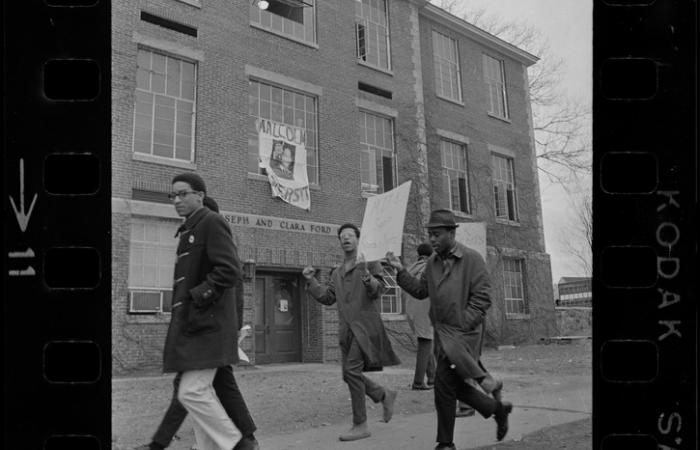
(22, 218)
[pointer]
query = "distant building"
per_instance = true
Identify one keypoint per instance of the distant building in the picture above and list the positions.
(575, 291)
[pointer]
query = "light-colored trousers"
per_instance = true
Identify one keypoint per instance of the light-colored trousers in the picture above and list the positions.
(213, 429)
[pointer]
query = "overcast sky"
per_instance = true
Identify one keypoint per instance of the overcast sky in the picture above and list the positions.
(568, 26)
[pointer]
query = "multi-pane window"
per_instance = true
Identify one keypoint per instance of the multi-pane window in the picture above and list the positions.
(391, 298)
(377, 167)
(446, 61)
(494, 75)
(504, 188)
(266, 101)
(164, 108)
(372, 32)
(293, 18)
(513, 286)
(454, 170)
(152, 250)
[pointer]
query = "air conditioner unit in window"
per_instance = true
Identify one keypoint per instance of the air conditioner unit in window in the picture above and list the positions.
(145, 302)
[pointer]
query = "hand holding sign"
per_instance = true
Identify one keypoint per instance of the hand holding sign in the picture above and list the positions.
(394, 261)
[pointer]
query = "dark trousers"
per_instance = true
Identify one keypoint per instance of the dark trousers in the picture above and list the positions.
(230, 397)
(425, 362)
(448, 388)
(359, 385)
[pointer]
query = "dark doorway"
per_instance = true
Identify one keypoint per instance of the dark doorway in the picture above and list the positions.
(277, 318)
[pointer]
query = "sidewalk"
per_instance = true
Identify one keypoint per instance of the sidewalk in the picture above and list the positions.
(534, 409)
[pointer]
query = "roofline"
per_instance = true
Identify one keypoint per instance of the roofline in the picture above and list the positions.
(478, 34)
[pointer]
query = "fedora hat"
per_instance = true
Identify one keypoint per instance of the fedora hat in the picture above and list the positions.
(441, 218)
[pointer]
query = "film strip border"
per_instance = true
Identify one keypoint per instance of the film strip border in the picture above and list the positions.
(644, 224)
(56, 307)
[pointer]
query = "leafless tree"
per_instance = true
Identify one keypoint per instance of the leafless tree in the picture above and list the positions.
(578, 240)
(561, 124)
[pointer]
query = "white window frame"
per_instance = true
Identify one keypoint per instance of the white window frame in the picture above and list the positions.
(276, 24)
(168, 228)
(364, 22)
(140, 91)
(369, 151)
(444, 57)
(449, 171)
(313, 177)
(495, 78)
(395, 298)
(514, 279)
(503, 184)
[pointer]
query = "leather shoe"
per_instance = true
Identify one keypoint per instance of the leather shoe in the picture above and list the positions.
(247, 443)
(445, 447)
(501, 416)
(356, 432)
(420, 387)
(388, 405)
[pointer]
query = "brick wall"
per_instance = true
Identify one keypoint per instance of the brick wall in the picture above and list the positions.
(227, 48)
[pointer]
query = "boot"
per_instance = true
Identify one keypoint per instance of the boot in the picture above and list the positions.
(356, 432)
(388, 404)
(501, 417)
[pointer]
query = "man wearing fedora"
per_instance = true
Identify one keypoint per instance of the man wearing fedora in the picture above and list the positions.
(456, 280)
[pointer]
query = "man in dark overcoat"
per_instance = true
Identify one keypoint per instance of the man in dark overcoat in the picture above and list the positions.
(226, 390)
(356, 287)
(458, 284)
(202, 336)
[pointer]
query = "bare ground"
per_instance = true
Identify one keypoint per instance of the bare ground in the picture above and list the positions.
(283, 400)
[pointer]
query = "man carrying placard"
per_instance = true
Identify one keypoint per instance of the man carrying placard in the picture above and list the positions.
(356, 287)
(458, 284)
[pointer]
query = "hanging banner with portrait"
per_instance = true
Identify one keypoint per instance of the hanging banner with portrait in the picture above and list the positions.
(282, 153)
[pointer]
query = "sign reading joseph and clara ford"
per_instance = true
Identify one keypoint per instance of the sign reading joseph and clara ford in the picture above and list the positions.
(282, 153)
(279, 224)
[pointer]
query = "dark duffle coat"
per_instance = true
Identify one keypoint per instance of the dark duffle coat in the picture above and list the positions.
(459, 298)
(203, 331)
(358, 312)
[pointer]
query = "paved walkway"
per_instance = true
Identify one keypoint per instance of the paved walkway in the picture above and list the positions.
(567, 401)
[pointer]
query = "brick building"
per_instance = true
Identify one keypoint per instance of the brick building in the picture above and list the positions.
(385, 90)
(575, 291)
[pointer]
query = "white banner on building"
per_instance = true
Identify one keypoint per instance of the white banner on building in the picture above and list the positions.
(382, 225)
(282, 153)
(473, 235)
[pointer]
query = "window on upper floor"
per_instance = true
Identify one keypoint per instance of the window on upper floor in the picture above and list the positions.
(494, 75)
(504, 188)
(455, 175)
(447, 74)
(516, 303)
(152, 248)
(164, 106)
(377, 159)
(291, 18)
(372, 33)
(267, 101)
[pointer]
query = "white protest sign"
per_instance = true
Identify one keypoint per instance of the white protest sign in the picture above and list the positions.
(382, 225)
(282, 153)
(473, 235)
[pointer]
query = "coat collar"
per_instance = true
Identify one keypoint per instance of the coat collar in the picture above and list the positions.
(192, 220)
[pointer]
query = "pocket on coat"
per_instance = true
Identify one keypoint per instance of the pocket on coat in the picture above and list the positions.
(200, 321)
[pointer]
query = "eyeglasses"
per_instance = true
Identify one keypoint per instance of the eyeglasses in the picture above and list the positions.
(181, 194)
